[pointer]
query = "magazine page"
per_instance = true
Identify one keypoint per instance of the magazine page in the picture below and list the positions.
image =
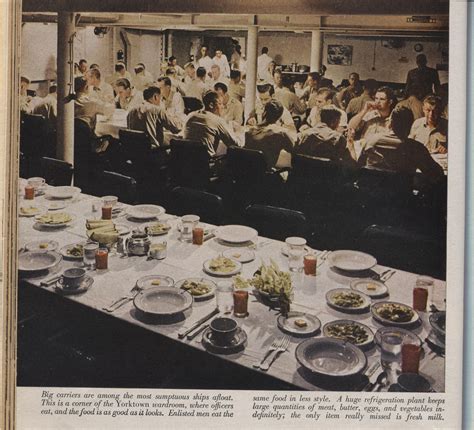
(167, 283)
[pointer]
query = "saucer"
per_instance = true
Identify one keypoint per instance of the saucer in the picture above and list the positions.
(236, 345)
(85, 285)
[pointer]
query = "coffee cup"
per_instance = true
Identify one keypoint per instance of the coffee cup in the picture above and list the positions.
(73, 278)
(223, 330)
(36, 182)
(109, 201)
(414, 383)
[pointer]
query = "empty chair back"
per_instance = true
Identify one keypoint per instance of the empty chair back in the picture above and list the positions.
(316, 171)
(189, 163)
(192, 104)
(209, 207)
(84, 160)
(246, 166)
(56, 172)
(115, 184)
(277, 223)
(33, 135)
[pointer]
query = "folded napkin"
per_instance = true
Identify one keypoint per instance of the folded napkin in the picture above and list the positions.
(102, 231)
(92, 224)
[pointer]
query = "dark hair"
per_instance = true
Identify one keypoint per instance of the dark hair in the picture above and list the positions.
(94, 66)
(141, 64)
(327, 92)
(371, 85)
(80, 82)
(138, 69)
(53, 89)
(95, 73)
(277, 71)
(356, 74)
(329, 115)
(325, 82)
(165, 80)
(421, 59)
(220, 85)
(234, 74)
(218, 49)
(272, 112)
(315, 76)
(149, 92)
(264, 50)
(171, 59)
(286, 81)
(401, 122)
(82, 61)
(24, 79)
(209, 99)
(389, 93)
(119, 66)
(170, 71)
(266, 88)
(201, 72)
(123, 82)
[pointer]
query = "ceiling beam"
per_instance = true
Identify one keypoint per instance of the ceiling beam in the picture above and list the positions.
(285, 7)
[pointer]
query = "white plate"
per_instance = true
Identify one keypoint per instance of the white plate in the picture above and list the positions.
(287, 324)
(236, 233)
(147, 281)
(284, 250)
(368, 331)
(208, 282)
(370, 287)
(42, 245)
(376, 306)
(330, 357)
(56, 205)
(241, 255)
(65, 254)
(163, 301)
(61, 193)
(351, 261)
(145, 211)
(33, 261)
(33, 210)
(55, 225)
(207, 269)
(364, 307)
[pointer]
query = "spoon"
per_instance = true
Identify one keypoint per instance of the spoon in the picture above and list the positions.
(379, 383)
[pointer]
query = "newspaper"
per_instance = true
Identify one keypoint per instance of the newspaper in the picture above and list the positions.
(96, 408)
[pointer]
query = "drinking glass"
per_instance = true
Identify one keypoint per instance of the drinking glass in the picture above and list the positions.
(390, 358)
(296, 253)
(188, 222)
(428, 283)
(102, 259)
(241, 299)
(411, 354)
(89, 254)
(224, 296)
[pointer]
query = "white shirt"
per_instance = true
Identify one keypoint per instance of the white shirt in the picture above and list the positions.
(262, 65)
(206, 62)
(196, 88)
(174, 105)
(223, 64)
(103, 92)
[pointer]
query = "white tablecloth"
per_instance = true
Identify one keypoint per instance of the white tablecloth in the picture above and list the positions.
(186, 260)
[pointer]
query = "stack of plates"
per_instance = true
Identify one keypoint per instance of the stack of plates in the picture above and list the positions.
(351, 261)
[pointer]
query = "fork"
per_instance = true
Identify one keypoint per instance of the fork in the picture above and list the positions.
(122, 300)
(322, 257)
(387, 276)
(273, 347)
(282, 348)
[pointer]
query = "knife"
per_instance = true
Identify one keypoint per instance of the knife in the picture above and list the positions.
(198, 323)
(48, 282)
(209, 236)
(371, 374)
(199, 330)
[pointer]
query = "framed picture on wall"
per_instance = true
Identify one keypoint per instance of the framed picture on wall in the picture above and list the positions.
(340, 55)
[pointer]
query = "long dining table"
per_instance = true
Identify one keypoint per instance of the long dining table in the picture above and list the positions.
(185, 260)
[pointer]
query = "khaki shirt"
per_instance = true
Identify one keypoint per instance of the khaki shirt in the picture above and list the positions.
(412, 103)
(209, 129)
(432, 138)
(357, 104)
(373, 123)
(87, 109)
(233, 111)
(151, 119)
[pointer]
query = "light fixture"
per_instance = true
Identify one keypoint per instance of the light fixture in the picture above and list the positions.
(100, 31)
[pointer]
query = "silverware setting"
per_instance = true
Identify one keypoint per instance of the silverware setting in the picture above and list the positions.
(371, 375)
(278, 346)
(198, 323)
(117, 304)
(388, 276)
(380, 382)
(50, 281)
